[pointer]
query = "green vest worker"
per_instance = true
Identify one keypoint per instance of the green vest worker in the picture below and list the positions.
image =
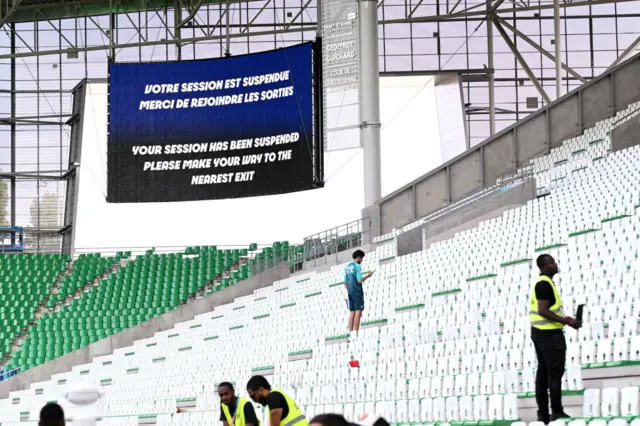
(235, 411)
(283, 411)
(547, 322)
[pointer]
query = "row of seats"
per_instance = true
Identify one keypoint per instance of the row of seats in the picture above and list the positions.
(451, 319)
(572, 156)
(25, 280)
(148, 286)
(85, 269)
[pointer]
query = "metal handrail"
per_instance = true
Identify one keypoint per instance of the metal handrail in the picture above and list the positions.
(337, 239)
(8, 374)
(521, 175)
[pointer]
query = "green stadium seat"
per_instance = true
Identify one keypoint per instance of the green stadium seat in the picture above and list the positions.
(25, 281)
(148, 286)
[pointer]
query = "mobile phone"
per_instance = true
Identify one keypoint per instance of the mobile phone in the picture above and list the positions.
(579, 312)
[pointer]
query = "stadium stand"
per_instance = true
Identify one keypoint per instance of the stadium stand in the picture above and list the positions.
(445, 333)
(85, 269)
(26, 281)
(573, 156)
(99, 298)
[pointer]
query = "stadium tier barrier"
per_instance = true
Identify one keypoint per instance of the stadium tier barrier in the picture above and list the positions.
(445, 333)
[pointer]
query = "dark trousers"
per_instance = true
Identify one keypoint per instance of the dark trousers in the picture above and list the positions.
(551, 350)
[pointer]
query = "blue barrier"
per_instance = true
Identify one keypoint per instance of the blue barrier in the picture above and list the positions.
(7, 374)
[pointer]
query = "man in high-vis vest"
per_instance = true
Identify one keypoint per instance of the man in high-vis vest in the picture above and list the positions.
(283, 411)
(547, 323)
(235, 411)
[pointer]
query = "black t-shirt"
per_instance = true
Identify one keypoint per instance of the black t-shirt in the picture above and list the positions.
(276, 400)
(249, 414)
(545, 292)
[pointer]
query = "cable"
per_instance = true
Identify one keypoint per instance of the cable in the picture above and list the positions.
(155, 45)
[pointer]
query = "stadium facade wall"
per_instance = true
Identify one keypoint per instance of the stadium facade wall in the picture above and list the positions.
(142, 331)
(513, 147)
(626, 134)
(468, 216)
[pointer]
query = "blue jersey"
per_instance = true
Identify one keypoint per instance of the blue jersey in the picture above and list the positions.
(353, 276)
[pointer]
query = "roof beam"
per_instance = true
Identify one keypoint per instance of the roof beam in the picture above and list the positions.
(7, 8)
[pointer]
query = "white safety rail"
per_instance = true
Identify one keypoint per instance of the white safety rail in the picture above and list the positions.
(445, 333)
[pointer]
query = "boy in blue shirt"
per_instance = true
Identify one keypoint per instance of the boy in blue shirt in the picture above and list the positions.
(353, 280)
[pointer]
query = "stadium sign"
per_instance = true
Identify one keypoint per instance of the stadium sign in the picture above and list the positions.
(340, 39)
(215, 128)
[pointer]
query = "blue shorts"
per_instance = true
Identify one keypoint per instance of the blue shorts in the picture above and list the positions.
(356, 302)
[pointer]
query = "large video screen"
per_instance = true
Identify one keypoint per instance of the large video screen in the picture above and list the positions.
(216, 128)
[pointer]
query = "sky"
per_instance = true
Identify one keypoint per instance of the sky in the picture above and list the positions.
(410, 148)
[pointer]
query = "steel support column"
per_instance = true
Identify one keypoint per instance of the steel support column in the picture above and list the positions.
(492, 85)
(12, 195)
(369, 99)
(227, 30)
(177, 28)
(558, 45)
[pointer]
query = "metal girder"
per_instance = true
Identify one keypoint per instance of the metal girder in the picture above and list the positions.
(35, 175)
(60, 33)
(522, 62)
(192, 13)
(22, 40)
(623, 56)
(540, 48)
(7, 8)
(557, 37)
(465, 10)
(42, 120)
(149, 43)
(507, 11)
(36, 11)
(492, 82)
(255, 17)
(302, 9)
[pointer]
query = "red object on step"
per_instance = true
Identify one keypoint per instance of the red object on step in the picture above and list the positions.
(354, 363)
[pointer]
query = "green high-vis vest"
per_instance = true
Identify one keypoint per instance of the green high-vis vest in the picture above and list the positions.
(296, 416)
(238, 419)
(538, 321)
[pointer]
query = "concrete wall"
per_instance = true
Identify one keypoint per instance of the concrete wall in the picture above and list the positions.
(429, 238)
(142, 331)
(513, 147)
(626, 134)
(487, 207)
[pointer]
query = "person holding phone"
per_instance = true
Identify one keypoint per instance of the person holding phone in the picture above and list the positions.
(547, 324)
(353, 280)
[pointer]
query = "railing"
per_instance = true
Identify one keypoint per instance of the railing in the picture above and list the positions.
(338, 239)
(7, 374)
(141, 250)
(505, 182)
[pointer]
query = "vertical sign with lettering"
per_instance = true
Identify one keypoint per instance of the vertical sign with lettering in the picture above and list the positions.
(340, 73)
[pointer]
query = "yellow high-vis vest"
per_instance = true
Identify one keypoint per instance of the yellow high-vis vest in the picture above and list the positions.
(540, 322)
(296, 416)
(238, 419)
